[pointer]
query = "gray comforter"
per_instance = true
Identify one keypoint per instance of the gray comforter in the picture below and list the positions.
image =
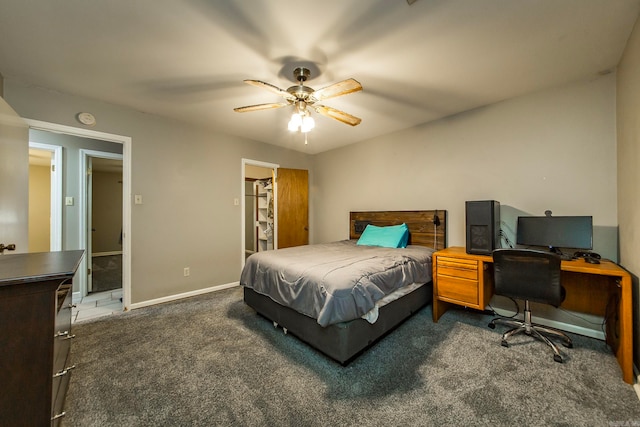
(335, 282)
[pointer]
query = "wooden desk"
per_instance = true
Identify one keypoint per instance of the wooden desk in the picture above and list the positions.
(466, 279)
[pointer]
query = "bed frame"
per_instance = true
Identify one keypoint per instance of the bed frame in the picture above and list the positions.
(343, 342)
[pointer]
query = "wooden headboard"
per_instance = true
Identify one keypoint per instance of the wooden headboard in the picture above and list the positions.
(422, 226)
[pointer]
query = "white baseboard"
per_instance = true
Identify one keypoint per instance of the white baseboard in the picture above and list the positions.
(587, 332)
(181, 296)
(95, 254)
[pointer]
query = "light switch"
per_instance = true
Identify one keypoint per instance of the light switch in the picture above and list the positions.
(137, 199)
(236, 202)
(68, 201)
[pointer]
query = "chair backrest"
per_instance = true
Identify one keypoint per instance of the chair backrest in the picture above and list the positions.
(528, 274)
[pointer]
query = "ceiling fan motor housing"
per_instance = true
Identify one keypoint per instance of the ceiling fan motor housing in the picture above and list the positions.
(301, 74)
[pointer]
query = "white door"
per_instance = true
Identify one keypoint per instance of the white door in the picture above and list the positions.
(14, 179)
(89, 215)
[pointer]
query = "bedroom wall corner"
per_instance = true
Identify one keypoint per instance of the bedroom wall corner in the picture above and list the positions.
(628, 133)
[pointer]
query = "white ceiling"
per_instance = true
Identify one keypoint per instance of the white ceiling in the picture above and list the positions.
(186, 59)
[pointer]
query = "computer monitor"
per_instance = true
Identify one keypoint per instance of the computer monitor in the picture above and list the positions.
(554, 232)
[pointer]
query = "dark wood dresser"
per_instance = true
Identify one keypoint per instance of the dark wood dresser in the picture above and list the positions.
(35, 315)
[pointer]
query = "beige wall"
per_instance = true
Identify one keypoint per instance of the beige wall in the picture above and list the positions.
(628, 114)
(39, 208)
(553, 149)
(188, 177)
(106, 221)
(14, 179)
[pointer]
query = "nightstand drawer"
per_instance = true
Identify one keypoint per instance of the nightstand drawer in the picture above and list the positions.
(457, 267)
(457, 290)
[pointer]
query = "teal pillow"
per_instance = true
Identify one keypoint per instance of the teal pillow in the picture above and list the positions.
(393, 236)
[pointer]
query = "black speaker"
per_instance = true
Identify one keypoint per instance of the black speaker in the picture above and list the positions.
(483, 226)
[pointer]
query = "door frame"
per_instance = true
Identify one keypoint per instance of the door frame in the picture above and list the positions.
(86, 196)
(126, 142)
(55, 193)
(261, 164)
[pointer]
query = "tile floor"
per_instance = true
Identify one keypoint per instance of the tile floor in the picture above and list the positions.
(97, 305)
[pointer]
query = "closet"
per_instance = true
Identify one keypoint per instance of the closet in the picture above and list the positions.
(276, 213)
(264, 215)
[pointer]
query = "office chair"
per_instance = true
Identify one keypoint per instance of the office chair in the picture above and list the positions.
(530, 275)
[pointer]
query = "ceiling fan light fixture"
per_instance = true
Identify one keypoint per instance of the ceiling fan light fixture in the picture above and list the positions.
(301, 97)
(295, 122)
(301, 121)
(307, 123)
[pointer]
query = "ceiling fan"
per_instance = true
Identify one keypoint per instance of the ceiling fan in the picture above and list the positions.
(304, 97)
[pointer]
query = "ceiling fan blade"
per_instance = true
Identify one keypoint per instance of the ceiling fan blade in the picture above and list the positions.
(259, 107)
(337, 115)
(271, 88)
(337, 89)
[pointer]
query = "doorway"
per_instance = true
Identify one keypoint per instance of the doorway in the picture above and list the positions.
(289, 216)
(101, 213)
(45, 197)
(259, 209)
(255, 176)
(126, 203)
(104, 223)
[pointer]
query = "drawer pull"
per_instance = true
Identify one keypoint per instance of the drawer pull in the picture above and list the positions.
(71, 306)
(64, 334)
(64, 371)
(60, 415)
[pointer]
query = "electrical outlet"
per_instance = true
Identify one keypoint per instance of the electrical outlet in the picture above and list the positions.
(187, 271)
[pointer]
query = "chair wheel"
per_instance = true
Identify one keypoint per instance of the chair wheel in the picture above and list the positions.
(557, 358)
(567, 344)
(504, 343)
(492, 325)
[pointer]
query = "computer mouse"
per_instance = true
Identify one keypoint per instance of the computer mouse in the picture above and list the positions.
(590, 260)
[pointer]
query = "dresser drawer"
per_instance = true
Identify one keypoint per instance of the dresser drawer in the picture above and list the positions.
(60, 386)
(62, 332)
(457, 267)
(457, 290)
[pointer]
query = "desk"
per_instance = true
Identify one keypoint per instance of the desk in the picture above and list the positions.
(465, 279)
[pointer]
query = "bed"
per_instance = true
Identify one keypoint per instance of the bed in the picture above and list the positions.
(341, 297)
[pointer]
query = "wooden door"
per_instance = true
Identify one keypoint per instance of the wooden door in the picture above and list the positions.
(14, 179)
(292, 186)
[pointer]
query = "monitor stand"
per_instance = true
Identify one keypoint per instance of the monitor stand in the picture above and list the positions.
(555, 250)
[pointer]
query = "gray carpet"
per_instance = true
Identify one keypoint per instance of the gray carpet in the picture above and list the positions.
(210, 360)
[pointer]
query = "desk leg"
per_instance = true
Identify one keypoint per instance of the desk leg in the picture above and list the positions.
(439, 308)
(625, 313)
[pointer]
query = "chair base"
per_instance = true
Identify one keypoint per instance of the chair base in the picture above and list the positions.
(539, 332)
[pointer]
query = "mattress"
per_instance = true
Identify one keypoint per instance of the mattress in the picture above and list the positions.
(335, 282)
